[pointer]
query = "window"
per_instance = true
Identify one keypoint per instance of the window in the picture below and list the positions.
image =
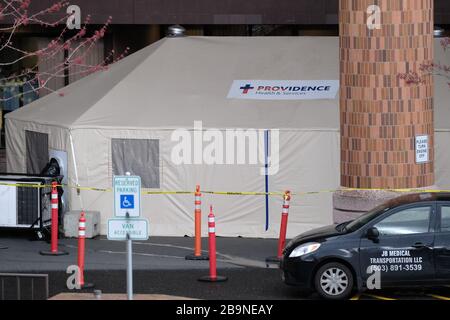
(37, 151)
(139, 157)
(445, 219)
(409, 221)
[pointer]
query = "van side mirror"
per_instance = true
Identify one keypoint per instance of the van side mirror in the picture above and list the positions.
(373, 234)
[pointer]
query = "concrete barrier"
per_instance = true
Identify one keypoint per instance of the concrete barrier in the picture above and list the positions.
(71, 220)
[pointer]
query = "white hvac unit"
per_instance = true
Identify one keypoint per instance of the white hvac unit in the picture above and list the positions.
(8, 201)
(25, 201)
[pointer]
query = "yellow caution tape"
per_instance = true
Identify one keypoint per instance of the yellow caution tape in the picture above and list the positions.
(86, 188)
(25, 185)
(225, 193)
(167, 192)
(395, 190)
(435, 296)
(229, 193)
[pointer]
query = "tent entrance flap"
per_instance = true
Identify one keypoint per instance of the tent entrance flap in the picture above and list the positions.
(140, 157)
(37, 151)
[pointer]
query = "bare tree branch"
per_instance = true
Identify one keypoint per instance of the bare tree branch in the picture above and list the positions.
(75, 46)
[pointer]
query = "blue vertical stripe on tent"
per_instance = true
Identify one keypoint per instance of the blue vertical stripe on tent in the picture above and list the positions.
(266, 152)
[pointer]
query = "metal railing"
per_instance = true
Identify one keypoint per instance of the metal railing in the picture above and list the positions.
(19, 290)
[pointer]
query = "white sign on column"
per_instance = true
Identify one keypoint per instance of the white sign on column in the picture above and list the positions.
(422, 154)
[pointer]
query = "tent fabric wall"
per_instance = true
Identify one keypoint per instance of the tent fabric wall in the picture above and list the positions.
(16, 153)
(302, 167)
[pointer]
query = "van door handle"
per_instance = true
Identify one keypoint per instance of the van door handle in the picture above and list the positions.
(419, 245)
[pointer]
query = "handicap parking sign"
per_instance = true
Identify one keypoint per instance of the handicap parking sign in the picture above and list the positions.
(127, 196)
(126, 201)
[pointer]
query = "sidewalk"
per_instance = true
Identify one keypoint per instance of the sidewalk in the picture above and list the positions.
(90, 296)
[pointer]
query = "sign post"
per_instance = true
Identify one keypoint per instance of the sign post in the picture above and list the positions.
(129, 267)
(126, 225)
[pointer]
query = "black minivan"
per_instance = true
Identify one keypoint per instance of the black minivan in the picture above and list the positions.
(406, 241)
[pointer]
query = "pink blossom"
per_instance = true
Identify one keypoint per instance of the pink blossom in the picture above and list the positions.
(78, 60)
(25, 4)
(55, 8)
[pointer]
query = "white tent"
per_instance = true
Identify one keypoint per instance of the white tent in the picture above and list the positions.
(129, 113)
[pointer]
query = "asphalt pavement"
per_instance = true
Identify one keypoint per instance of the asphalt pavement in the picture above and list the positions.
(159, 265)
(160, 268)
(158, 253)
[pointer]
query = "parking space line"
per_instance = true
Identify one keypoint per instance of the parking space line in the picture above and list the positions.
(439, 297)
(243, 262)
(356, 297)
(379, 297)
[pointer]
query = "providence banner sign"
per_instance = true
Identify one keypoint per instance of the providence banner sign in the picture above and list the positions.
(284, 89)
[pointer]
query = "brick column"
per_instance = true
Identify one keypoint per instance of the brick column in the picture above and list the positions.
(380, 114)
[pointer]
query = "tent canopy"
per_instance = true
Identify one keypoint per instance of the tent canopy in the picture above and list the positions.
(176, 81)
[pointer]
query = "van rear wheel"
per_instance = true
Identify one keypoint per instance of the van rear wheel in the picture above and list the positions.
(334, 281)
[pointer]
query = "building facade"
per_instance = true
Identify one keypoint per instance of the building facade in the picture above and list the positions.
(231, 12)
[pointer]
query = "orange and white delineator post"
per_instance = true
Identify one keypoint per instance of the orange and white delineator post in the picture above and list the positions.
(213, 277)
(283, 228)
(55, 224)
(81, 251)
(198, 228)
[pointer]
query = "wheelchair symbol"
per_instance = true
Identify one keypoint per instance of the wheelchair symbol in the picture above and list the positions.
(127, 202)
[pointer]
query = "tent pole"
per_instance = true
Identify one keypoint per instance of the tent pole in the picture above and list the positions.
(266, 153)
(75, 168)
